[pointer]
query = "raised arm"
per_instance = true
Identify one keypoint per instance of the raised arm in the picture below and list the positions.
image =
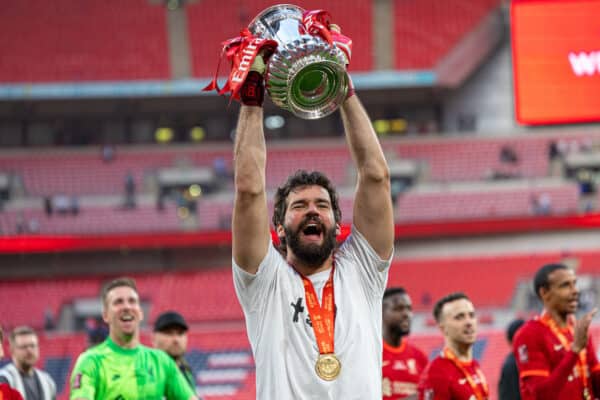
(250, 225)
(373, 212)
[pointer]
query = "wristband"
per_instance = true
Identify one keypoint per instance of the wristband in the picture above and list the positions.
(253, 90)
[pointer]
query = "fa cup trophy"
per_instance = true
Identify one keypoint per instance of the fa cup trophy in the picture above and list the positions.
(305, 55)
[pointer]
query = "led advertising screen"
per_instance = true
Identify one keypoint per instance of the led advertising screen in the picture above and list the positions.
(556, 60)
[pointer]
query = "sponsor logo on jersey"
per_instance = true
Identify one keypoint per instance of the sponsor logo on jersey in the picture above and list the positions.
(523, 353)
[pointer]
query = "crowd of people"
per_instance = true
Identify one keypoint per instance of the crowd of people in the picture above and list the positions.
(553, 356)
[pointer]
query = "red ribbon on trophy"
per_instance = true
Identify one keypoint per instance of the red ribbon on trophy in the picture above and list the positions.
(242, 50)
(318, 23)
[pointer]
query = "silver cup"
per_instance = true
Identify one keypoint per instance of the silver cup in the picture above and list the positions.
(306, 75)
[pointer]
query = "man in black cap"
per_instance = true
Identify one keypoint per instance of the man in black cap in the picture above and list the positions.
(170, 335)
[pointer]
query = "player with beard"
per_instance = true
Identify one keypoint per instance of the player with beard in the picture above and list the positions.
(403, 362)
(454, 374)
(313, 311)
(555, 356)
(121, 367)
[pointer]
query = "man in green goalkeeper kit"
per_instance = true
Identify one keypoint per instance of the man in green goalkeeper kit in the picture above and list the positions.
(120, 367)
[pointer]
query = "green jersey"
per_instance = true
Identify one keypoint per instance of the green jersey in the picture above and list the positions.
(110, 372)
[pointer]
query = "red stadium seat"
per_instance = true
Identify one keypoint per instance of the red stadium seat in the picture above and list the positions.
(212, 22)
(426, 30)
(106, 41)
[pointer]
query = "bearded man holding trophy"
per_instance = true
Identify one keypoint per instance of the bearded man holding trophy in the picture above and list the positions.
(312, 308)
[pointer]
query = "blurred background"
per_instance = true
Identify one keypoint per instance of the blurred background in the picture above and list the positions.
(114, 162)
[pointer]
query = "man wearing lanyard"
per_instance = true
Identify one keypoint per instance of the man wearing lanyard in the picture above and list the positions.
(313, 312)
(454, 374)
(555, 356)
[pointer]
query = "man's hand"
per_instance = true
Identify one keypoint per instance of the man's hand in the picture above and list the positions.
(253, 89)
(580, 335)
(336, 29)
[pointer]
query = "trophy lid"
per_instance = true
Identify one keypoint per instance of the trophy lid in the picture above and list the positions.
(266, 24)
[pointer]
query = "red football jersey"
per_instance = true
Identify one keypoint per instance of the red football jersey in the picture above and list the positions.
(7, 393)
(538, 351)
(443, 380)
(402, 368)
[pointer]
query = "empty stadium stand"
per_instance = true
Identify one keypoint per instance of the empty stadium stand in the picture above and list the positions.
(129, 41)
(106, 41)
(459, 178)
(500, 199)
(83, 172)
(426, 31)
(212, 22)
(207, 295)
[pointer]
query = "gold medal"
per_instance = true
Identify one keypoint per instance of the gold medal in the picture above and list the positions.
(328, 366)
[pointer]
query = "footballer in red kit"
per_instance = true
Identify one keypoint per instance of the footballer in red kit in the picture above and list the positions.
(454, 374)
(403, 363)
(555, 356)
(446, 381)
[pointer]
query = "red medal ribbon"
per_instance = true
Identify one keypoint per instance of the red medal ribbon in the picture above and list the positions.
(581, 366)
(242, 50)
(481, 395)
(322, 316)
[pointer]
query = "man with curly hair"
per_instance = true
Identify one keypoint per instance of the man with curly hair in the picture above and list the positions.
(313, 310)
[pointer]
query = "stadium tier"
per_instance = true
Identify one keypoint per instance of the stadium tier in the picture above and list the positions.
(477, 203)
(83, 172)
(207, 296)
(423, 34)
(95, 40)
(98, 220)
(29, 300)
(426, 30)
(457, 178)
(486, 201)
(212, 22)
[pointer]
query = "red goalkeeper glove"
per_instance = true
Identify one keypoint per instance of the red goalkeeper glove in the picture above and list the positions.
(253, 89)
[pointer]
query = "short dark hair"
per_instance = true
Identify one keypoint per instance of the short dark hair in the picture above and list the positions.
(119, 282)
(20, 331)
(393, 291)
(437, 309)
(541, 276)
(298, 179)
(513, 327)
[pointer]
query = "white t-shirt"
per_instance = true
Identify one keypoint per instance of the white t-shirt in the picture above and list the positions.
(283, 341)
